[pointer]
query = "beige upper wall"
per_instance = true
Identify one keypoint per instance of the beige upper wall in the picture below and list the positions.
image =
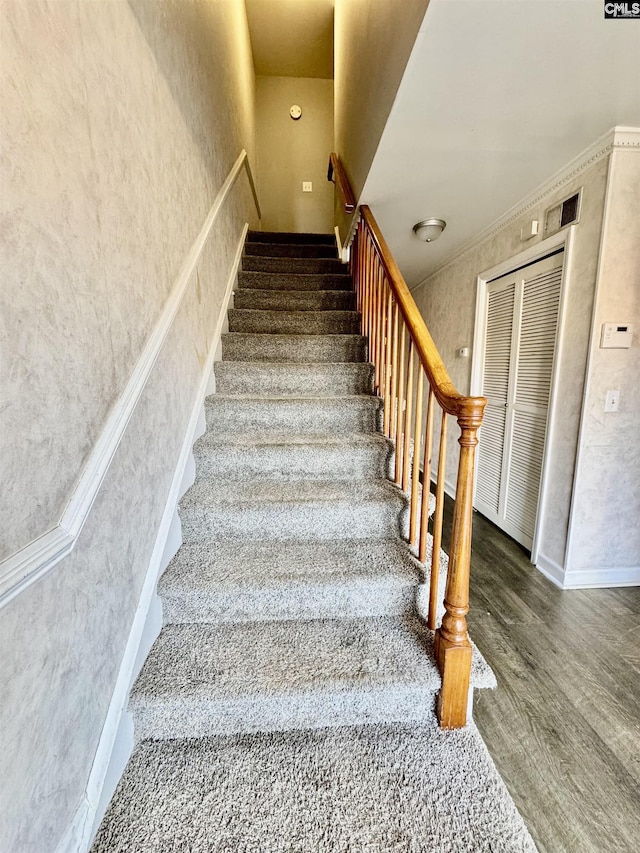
(120, 123)
(605, 531)
(447, 301)
(290, 152)
(373, 40)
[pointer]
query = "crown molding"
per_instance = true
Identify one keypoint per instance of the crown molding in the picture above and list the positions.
(618, 138)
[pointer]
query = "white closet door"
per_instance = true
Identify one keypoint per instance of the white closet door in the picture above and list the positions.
(501, 301)
(521, 324)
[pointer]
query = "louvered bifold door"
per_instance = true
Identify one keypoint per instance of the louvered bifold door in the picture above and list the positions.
(521, 323)
(534, 369)
(495, 387)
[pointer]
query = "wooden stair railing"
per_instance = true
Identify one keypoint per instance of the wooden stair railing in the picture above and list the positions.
(404, 354)
(338, 175)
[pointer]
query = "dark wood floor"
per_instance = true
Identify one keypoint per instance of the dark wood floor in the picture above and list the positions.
(563, 727)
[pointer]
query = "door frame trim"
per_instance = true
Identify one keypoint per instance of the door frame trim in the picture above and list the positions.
(562, 240)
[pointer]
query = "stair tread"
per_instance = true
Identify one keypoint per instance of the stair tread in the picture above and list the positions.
(270, 249)
(213, 663)
(309, 322)
(262, 299)
(296, 491)
(210, 566)
(366, 399)
(290, 236)
(287, 657)
(260, 438)
(294, 282)
(336, 378)
(287, 291)
(261, 347)
(304, 312)
(294, 265)
(297, 337)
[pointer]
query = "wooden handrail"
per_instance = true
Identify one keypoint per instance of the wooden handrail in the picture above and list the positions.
(454, 403)
(403, 354)
(341, 181)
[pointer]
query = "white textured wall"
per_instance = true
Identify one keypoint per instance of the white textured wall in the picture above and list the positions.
(120, 122)
(290, 152)
(447, 300)
(605, 530)
(373, 40)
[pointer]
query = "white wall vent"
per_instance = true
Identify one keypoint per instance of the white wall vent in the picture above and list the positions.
(567, 212)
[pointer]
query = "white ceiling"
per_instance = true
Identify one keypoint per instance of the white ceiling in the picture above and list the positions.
(497, 96)
(292, 38)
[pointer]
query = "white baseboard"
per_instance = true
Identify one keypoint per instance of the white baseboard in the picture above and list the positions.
(602, 578)
(116, 741)
(551, 570)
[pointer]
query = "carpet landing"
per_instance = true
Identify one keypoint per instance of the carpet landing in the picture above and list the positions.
(366, 789)
(288, 703)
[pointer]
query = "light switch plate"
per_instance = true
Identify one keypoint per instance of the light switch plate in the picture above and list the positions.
(612, 401)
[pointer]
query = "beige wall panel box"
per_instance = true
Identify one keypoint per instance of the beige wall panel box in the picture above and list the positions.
(616, 336)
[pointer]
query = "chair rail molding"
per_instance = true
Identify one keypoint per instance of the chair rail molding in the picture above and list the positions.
(34, 560)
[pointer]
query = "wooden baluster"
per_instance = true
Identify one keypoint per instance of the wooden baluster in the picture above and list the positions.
(400, 413)
(452, 646)
(367, 287)
(382, 305)
(394, 374)
(406, 454)
(358, 269)
(415, 475)
(387, 364)
(370, 294)
(426, 478)
(375, 325)
(365, 283)
(437, 524)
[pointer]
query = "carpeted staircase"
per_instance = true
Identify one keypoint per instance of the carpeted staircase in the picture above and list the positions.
(291, 606)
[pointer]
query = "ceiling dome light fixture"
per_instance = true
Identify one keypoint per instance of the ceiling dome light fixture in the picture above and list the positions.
(429, 229)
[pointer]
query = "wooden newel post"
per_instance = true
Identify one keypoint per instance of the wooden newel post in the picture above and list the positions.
(452, 646)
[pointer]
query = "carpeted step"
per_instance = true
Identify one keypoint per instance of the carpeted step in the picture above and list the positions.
(239, 346)
(298, 266)
(292, 300)
(294, 322)
(295, 415)
(292, 509)
(290, 250)
(302, 380)
(290, 237)
(291, 281)
(401, 788)
(249, 455)
(203, 679)
(210, 581)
